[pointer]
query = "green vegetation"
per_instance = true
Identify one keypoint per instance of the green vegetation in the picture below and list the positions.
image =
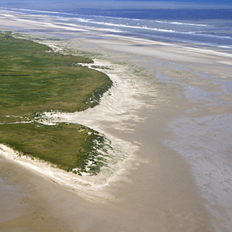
(35, 79)
(100, 67)
(68, 146)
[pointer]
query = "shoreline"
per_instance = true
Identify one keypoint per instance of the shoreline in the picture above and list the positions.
(115, 107)
(190, 86)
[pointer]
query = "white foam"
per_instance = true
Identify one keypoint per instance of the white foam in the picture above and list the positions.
(66, 26)
(181, 23)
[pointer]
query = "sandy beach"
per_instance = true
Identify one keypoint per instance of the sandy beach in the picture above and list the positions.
(168, 117)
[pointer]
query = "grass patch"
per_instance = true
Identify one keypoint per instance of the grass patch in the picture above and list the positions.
(34, 78)
(101, 67)
(70, 147)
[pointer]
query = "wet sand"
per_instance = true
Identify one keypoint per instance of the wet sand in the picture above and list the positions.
(179, 178)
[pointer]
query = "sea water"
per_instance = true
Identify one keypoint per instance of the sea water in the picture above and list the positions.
(198, 25)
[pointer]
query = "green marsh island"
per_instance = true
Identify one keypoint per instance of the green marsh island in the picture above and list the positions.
(35, 79)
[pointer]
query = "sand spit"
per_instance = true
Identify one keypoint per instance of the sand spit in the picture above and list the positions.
(88, 187)
(176, 118)
(118, 108)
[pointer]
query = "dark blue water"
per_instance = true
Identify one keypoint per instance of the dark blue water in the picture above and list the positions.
(198, 27)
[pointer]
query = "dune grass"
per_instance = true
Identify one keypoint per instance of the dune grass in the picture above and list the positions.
(67, 146)
(34, 79)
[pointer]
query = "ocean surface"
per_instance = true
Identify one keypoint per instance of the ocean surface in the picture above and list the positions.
(195, 27)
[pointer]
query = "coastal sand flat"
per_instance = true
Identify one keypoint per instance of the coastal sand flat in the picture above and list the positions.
(168, 186)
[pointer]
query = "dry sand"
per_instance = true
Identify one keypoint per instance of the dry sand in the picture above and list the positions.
(180, 176)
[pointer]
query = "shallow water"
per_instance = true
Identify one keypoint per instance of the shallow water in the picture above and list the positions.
(198, 27)
(204, 142)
